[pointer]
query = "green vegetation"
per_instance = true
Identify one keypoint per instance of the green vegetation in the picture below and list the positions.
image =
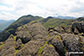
(46, 43)
(16, 52)
(41, 48)
(2, 44)
(60, 39)
(58, 22)
(14, 41)
(81, 41)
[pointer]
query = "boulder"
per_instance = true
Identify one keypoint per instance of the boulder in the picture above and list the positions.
(78, 28)
(9, 43)
(31, 31)
(36, 29)
(19, 44)
(23, 34)
(31, 48)
(9, 52)
(57, 42)
(60, 29)
(71, 42)
(49, 50)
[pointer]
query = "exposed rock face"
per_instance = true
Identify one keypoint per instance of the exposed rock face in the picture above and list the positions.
(31, 31)
(31, 48)
(60, 29)
(18, 44)
(35, 47)
(71, 42)
(23, 34)
(57, 42)
(65, 42)
(38, 31)
(38, 38)
(78, 28)
(9, 52)
(49, 51)
(8, 47)
(38, 41)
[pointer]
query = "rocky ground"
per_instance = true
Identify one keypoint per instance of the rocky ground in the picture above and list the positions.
(33, 39)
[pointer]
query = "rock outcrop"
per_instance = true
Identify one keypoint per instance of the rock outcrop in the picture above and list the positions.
(7, 47)
(33, 39)
(78, 28)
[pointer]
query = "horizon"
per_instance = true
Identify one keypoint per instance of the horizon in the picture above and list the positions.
(40, 16)
(13, 9)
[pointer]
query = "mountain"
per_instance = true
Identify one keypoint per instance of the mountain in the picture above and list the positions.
(0, 31)
(80, 19)
(37, 36)
(5, 23)
(54, 22)
(65, 17)
(46, 22)
(20, 22)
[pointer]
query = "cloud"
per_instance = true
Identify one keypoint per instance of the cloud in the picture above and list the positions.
(78, 9)
(13, 9)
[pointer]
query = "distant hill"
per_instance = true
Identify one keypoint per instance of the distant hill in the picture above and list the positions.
(0, 31)
(80, 19)
(65, 17)
(5, 23)
(54, 22)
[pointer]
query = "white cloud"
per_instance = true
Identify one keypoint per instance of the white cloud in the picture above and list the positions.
(13, 9)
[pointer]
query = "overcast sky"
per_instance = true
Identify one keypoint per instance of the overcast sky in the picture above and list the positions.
(13, 9)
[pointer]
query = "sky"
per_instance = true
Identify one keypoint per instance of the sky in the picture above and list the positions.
(13, 9)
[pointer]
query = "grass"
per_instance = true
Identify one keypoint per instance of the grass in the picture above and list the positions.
(23, 26)
(81, 41)
(46, 43)
(41, 48)
(2, 44)
(22, 45)
(65, 50)
(14, 42)
(57, 22)
(16, 52)
(58, 36)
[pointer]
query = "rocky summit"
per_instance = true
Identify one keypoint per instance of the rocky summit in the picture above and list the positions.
(33, 39)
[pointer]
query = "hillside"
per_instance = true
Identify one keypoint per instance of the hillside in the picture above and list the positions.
(5, 23)
(54, 22)
(80, 19)
(46, 22)
(12, 28)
